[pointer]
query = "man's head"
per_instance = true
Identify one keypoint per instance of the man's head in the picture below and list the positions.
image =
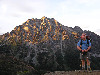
(83, 36)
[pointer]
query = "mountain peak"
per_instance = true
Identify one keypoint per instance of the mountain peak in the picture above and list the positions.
(38, 30)
(46, 44)
(78, 29)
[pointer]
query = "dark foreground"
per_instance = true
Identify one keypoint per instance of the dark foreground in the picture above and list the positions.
(77, 72)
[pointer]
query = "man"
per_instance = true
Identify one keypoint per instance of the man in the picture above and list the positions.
(84, 45)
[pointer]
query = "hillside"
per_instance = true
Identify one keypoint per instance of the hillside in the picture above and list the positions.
(47, 45)
(12, 66)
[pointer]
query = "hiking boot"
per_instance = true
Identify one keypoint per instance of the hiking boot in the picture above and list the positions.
(83, 68)
(89, 70)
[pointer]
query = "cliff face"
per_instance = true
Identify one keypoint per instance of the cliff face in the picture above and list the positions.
(46, 44)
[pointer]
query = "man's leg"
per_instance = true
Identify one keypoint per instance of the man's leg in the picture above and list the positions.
(88, 64)
(83, 64)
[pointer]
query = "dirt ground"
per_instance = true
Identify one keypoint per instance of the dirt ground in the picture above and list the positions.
(77, 72)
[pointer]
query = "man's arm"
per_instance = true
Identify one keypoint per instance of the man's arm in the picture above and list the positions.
(88, 48)
(79, 48)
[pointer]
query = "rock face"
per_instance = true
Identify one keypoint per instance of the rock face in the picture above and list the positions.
(12, 66)
(46, 44)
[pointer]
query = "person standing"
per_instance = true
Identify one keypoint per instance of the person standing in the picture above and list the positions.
(84, 46)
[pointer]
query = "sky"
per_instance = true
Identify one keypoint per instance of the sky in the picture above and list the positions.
(71, 13)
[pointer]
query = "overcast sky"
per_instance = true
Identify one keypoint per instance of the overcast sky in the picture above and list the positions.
(83, 13)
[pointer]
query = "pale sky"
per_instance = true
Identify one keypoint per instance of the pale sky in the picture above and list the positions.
(83, 13)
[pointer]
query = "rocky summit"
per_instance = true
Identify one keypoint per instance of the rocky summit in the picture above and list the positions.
(47, 45)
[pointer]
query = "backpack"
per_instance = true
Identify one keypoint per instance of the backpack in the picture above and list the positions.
(88, 38)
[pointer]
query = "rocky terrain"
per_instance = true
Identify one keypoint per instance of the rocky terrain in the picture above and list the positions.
(12, 66)
(73, 73)
(47, 45)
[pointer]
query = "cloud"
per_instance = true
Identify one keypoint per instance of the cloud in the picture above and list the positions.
(1, 33)
(23, 7)
(97, 31)
(83, 13)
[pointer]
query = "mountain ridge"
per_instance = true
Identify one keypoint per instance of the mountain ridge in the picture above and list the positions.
(48, 45)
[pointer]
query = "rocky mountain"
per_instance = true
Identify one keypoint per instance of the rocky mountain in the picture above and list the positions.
(47, 45)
